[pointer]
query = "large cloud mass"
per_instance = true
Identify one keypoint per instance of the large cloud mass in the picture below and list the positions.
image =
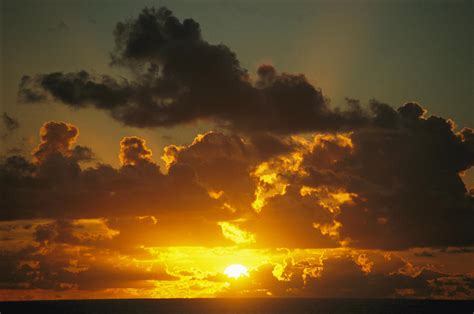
(389, 188)
(179, 77)
(316, 194)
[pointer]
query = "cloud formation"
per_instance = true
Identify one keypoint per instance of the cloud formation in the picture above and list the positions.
(344, 275)
(179, 77)
(390, 188)
(394, 187)
(10, 122)
(54, 184)
(55, 269)
(133, 151)
(322, 197)
(56, 137)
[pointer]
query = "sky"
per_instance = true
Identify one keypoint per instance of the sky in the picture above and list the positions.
(326, 146)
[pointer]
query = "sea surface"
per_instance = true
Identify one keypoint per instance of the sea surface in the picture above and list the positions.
(228, 306)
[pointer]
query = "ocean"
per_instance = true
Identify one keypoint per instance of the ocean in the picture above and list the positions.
(230, 306)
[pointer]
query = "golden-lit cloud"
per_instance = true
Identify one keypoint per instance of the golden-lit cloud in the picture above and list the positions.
(133, 151)
(327, 199)
(235, 234)
(56, 137)
(287, 197)
(270, 175)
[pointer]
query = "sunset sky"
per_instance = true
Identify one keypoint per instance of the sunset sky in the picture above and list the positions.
(181, 149)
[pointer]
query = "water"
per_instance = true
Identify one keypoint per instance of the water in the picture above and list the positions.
(230, 306)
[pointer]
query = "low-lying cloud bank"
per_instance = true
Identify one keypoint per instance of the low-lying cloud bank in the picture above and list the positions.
(374, 188)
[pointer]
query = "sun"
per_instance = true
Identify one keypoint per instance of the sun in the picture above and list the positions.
(236, 270)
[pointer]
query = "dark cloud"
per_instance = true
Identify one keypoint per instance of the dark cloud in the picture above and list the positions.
(394, 187)
(77, 89)
(59, 188)
(294, 216)
(343, 276)
(149, 231)
(55, 185)
(133, 151)
(60, 231)
(460, 250)
(425, 254)
(180, 77)
(10, 123)
(17, 168)
(56, 269)
(390, 187)
(372, 177)
(57, 157)
(215, 157)
(391, 181)
(408, 183)
(56, 137)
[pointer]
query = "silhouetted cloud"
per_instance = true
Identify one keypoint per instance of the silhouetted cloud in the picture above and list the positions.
(345, 276)
(395, 187)
(55, 185)
(10, 123)
(56, 137)
(180, 77)
(55, 270)
(408, 183)
(133, 151)
(368, 179)
(425, 254)
(391, 188)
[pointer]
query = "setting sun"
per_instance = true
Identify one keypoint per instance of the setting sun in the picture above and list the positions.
(236, 271)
